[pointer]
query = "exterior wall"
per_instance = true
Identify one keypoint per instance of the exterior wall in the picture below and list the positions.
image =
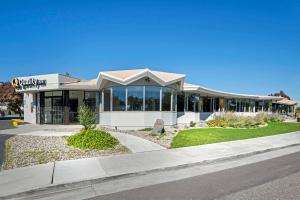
(187, 117)
(136, 120)
(30, 108)
(53, 82)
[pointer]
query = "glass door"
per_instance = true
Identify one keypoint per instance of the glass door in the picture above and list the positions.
(57, 110)
(73, 114)
(47, 111)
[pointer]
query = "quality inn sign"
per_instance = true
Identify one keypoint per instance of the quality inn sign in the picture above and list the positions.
(23, 84)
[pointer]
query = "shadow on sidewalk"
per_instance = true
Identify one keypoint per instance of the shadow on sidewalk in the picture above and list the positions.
(6, 124)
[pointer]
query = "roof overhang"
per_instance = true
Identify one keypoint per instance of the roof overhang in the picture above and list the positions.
(210, 92)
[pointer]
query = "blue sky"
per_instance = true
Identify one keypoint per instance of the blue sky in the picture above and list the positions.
(238, 46)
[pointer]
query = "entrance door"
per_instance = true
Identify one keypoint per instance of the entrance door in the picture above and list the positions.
(48, 111)
(57, 110)
(73, 111)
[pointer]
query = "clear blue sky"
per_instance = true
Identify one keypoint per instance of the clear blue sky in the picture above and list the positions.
(239, 46)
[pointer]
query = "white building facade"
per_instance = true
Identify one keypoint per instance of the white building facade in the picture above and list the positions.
(130, 99)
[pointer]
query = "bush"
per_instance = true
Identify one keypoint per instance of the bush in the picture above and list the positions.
(275, 118)
(92, 139)
(87, 118)
(235, 121)
(217, 123)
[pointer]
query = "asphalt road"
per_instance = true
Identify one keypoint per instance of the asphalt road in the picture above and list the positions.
(277, 178)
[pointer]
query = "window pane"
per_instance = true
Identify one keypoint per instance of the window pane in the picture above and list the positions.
(106, 93)
(207, 104)
(119, 98)
(193, 103)
(232, 105)
(57, 93)
(180, 102)
(166, 99)
(216, 104)
(48, 94)
(90, 100)
(135, 98)
(174, 101)
(152, 98)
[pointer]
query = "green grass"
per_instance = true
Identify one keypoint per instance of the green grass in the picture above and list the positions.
(92, 139)
(201, 136)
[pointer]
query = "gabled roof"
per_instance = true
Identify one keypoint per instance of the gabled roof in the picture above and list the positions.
(125, 77)
(206, 91)
(287, 102)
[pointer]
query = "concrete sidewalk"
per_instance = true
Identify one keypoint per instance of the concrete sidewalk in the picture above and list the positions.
(64, 172)
(136, 144)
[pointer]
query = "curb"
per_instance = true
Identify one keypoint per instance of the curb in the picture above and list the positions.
(51, 189)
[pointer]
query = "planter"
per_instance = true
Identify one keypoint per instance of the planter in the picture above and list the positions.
(298, 119)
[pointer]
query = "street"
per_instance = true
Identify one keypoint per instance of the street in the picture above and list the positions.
(277, 178)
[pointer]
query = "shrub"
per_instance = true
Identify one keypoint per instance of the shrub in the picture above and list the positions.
(87, 118)
(92, 139)
(275, 118)
(217, 123)
(261, 118)
(233, 120)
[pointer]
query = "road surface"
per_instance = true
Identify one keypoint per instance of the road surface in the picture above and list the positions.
(277, 178)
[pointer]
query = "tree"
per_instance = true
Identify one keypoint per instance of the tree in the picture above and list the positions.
(87, 118)
(281, 94)
(12, 99)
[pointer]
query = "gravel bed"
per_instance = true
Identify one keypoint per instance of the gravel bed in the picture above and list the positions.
(25, 151)
(164, 140)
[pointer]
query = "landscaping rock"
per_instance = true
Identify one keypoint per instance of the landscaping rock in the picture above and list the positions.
(158, 128)
(202, 124)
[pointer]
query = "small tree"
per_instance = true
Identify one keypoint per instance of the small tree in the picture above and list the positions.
(12, 99)
(87, 117)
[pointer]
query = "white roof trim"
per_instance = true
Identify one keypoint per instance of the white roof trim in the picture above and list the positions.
(144, 73)
(201, 89)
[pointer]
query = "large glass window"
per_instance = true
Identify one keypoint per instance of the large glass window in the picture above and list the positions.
(174, 101)
(216, 104)
(193, 103)
(152, 98)
(180, 102)
(232, 105)
(119, 98)
(90, 99)
(107, 93)
(247, 105)
(166, 99)
(207, 104)
(135, 98)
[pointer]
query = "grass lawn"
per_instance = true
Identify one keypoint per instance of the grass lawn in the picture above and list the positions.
(201, 136)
